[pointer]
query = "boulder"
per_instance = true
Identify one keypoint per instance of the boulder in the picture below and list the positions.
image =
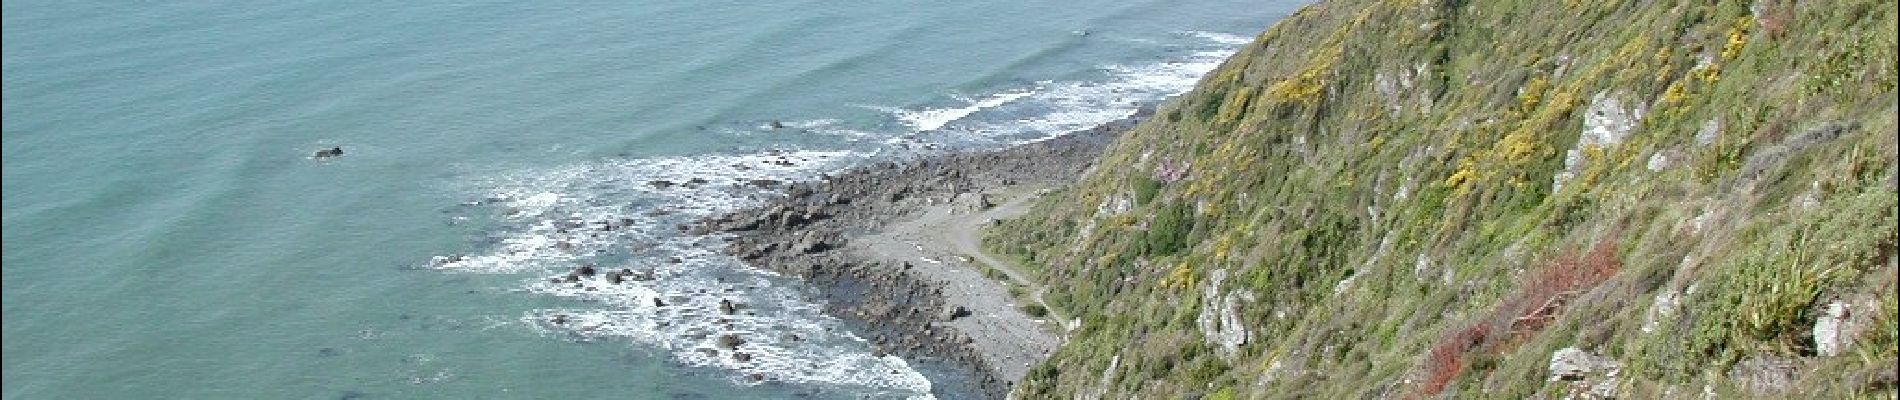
(1573, 364)
(1838, 326)
(953, 312)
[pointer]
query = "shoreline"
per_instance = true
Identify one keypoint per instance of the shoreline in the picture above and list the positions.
(863, 237)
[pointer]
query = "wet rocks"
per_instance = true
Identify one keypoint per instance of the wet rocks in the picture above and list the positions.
(661, 184)
(730, 341)
(741, 356)
(328, 153)
(728, 307)
(440, 261)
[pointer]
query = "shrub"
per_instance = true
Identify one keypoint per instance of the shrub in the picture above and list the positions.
(1035, 310)
(1537, 301)
(1447, 358)
(1529, 309)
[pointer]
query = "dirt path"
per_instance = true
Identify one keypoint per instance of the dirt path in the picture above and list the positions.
(945, 245)
(965, 236)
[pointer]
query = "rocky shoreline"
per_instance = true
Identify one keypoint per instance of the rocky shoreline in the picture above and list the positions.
(807, 231)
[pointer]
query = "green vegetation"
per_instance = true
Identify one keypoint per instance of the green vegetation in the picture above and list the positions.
(1429, 198)
(1035, 310)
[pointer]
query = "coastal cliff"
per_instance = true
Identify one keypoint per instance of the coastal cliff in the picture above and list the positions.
(1500, 199)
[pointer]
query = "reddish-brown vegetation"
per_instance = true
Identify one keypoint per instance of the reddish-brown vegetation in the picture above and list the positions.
(1533, 306)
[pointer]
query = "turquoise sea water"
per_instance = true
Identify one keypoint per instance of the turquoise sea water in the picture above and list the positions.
(166, 234)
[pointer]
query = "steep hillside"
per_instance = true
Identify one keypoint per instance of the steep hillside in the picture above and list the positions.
(1436, 197)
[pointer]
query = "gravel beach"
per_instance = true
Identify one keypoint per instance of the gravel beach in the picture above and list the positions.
(893, 246)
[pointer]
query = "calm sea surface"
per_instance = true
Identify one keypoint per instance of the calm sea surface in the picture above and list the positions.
(167, 234)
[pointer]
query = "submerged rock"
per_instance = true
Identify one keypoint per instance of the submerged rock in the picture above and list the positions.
(730, 341)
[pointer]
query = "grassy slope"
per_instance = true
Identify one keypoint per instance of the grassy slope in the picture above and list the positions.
(1411, 147)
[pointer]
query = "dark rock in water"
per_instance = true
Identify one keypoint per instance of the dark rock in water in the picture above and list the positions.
(741, 356)
(730, 341)
(696, 181)
(329, 352)
(329, 152)
(778, 125)
(660, 184)
(675, 260)
(764, 183)
(659, 303)
(755, 377)
(616, 276)
(585, 270)
(352, 395)
(559, 319)
(728, 307)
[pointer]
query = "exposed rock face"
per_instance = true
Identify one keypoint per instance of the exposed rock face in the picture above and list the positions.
(1605, 124)
(1572, 364)
(1839, 326)
(1766, 374)
(1589, 376)
(1220, 316)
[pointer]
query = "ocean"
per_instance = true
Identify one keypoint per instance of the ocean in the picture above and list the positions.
(167, 233)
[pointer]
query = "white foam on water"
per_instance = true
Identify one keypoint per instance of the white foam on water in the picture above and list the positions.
(617, 215)
(930, 119)
(1217, 37)
(1051, 108)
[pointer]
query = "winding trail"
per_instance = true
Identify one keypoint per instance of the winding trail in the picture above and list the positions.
(966, 237)
(942, 242)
